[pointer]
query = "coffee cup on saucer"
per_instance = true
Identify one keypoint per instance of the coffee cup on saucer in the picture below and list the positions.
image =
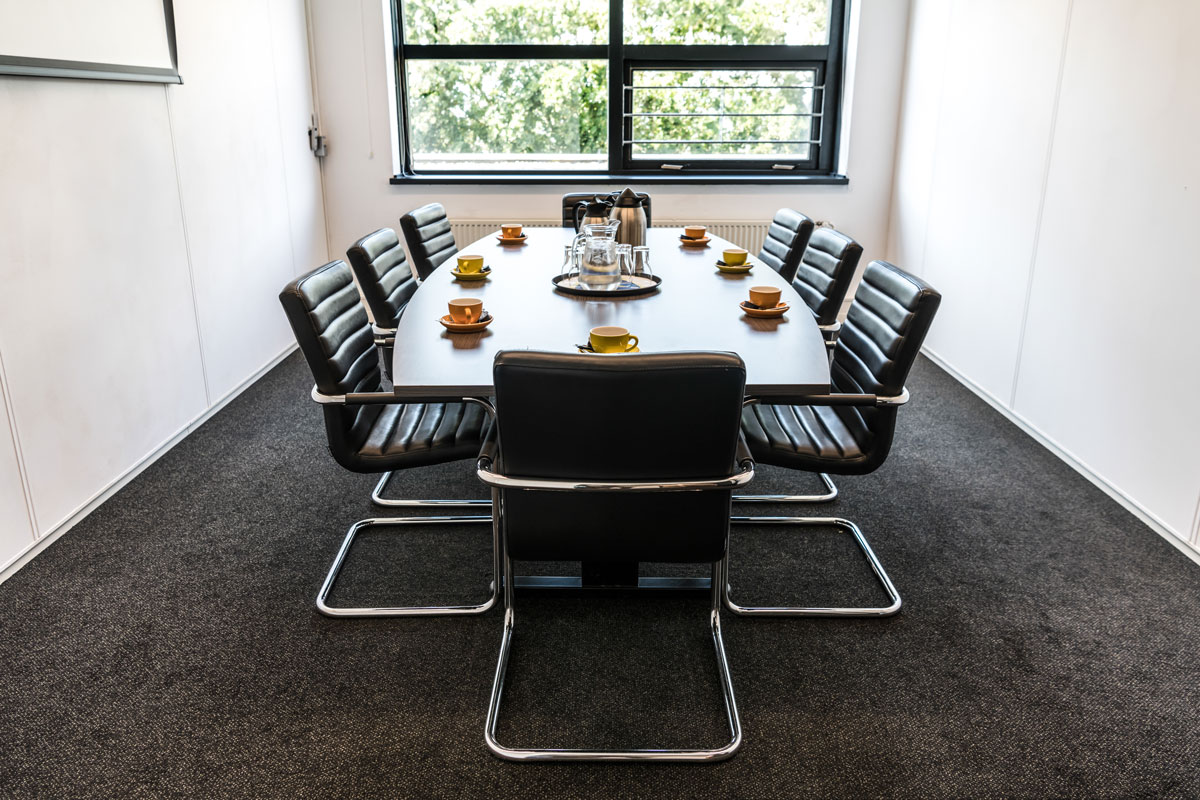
(695, 231)
(511, 230)
(611, 339)
(465, 310)
(734, 256)
(765, 296)
(470, 263)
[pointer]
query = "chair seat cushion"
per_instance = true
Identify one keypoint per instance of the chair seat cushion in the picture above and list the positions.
(417, 434)
(813, 438)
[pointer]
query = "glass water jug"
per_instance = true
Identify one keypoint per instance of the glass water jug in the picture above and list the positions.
(596, 256)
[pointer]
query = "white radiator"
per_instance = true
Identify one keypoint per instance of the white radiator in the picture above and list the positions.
(470, 230)
(743, 233)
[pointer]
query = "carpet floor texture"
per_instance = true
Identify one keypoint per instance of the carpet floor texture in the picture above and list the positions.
(168, 646)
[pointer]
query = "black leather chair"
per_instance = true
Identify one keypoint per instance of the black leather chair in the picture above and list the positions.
(849, 432)
(367, 429)
(824, 275)
(572, 199)
(427, 234)
(571, 492)
(786, 239)
(823, 278)
(386, 284)
(384, 278)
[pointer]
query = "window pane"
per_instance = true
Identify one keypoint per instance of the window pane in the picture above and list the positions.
(690, 114)
(791, 22)
(506, 22)
(508, 115)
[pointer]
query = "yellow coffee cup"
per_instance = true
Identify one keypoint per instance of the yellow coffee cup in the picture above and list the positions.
(511, 230)
(466, 310)
(470, 263)
(611, 339)
(734, 256)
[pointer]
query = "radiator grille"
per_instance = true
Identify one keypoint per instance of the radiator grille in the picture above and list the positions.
(746, 234)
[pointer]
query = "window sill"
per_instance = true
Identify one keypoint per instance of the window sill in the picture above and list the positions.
(547, 179)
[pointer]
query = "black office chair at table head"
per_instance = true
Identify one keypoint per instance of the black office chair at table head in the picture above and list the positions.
(603, 490)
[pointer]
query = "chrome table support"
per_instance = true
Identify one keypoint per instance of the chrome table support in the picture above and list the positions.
(378, 499)
(797, 611)
(409, 611)
(562, 754)
(831, 493)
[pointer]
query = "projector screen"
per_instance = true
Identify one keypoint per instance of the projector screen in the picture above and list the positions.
(126, 40)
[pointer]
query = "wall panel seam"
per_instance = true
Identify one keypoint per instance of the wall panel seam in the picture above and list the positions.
(1196, 524)
(315, 91)
(1037, 228)
(11, 415)
(187, 247)
(287, 206)
(896, 140)
(937, 133)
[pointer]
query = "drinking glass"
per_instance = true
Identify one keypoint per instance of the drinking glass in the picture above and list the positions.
(641, 261)
(625, 258)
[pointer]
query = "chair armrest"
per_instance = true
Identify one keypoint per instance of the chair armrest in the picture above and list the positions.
(743, 456)
(491, 478)
(384, 399)
(489, 453)
(836, 400)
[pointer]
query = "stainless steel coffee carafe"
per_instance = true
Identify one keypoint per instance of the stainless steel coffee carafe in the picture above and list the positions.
(629, 212)
(593, 213)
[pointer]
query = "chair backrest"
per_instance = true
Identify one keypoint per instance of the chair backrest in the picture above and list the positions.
(652, 417)
(786, 239)
(877, 346)
(572, 199)
(383, 275)
(427, 234)
(335, 337)
(826, 271)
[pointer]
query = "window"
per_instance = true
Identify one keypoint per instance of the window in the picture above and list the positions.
(620, 87)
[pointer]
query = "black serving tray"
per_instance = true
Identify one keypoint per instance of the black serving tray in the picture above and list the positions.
(645, 285)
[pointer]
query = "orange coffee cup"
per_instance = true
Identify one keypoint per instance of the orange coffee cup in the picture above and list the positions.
(464, 310)
(765, 296)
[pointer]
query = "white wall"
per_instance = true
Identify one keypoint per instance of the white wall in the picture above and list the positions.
(352, 65)
(146, 233)
(1053, 199)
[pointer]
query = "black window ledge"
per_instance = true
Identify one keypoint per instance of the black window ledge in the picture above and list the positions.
(491, 179)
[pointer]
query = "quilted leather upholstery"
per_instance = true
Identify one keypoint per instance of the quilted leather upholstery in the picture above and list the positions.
(331, 328)
(427, 234)
(532, 389)
(825, 272)
(883, 333)
(383, 276)
(786, 239)
(572, 199)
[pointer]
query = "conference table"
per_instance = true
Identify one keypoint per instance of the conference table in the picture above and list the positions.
(695, 308)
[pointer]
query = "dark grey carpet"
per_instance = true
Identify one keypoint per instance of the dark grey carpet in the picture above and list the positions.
(168, 646)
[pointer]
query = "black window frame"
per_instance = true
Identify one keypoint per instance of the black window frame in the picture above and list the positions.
(827, 60)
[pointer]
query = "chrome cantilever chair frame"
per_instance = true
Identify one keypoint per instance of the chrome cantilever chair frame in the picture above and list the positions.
(497, 482)
(383, 398)
(842, 524)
